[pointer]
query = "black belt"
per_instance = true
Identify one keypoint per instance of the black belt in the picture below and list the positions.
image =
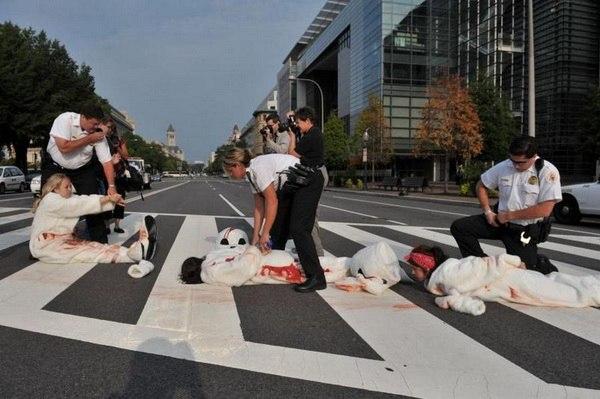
(517, 227)
(55, 165)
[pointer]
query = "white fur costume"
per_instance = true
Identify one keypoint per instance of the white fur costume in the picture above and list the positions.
(246, 265)
(467, 282)
(236, 265)
(374, 269)
(52, 238)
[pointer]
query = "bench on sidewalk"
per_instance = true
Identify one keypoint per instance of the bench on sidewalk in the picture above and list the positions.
(388, 181)
(414, 182)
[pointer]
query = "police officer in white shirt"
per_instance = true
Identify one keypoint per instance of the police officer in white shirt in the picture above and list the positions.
(280, 212)
(527, 193)
(74, 137)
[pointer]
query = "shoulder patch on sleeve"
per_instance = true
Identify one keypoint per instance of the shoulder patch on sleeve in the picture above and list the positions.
(552, 177)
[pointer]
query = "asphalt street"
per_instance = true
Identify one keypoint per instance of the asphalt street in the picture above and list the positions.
(91, 331)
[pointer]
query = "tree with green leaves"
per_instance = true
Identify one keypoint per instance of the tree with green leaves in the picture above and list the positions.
(450, 124)
(152, 153)
(379, 146)
(38, 81)
(336, 142)
(498, 126)
(216, 167)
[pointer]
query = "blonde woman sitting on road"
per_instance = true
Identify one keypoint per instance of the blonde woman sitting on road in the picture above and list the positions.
(57, 211)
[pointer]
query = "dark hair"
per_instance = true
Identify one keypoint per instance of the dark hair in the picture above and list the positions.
(273, 117)
(438, 255)
(523, 145)
(92, 110)
(305, 113)
(191, 270)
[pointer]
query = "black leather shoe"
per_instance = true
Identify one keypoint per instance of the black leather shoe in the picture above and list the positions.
(312, 284)
(148, 253)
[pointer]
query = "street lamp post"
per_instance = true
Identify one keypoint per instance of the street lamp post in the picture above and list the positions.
(292, 77)
(531, 70)
(365, 139)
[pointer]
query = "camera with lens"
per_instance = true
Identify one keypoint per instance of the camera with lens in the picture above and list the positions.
(290, 123)
(265, 130)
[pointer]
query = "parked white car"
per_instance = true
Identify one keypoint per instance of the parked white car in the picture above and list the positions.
(11, 178)
(578, 200)
(36, 185)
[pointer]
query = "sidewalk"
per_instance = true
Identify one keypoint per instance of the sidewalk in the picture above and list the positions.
(434, 193)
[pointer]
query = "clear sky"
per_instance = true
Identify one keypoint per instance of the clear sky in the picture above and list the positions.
(201, 65)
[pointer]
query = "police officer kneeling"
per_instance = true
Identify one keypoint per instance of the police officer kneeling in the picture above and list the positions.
(528, 188)
(286, 197)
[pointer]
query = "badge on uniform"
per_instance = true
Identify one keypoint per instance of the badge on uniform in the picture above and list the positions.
(533, 180)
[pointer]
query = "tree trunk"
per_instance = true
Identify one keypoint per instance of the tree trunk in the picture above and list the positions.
(446, 172)
(21, 154)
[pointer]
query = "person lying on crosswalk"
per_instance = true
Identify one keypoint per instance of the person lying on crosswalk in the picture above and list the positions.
(234, 263)
(464, 284)
(57, 211)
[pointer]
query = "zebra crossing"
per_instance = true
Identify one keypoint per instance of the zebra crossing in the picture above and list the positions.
(398, 343)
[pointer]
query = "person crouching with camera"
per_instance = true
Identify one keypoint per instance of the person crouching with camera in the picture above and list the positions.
(276, 136)
(286, 196)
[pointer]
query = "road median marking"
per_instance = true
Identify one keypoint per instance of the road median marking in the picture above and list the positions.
(231, 205)
(150, 194)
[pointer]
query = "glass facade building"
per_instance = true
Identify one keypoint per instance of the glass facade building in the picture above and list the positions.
(491, 42)
(567, 38)
(394, 49)
(391, 49)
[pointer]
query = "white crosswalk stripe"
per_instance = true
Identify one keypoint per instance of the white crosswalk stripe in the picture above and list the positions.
(206, 317)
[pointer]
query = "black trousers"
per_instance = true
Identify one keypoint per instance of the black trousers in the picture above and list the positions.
(469, 230)
(85, 182)
(295, 217)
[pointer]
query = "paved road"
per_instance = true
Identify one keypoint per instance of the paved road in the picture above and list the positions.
(89, 330)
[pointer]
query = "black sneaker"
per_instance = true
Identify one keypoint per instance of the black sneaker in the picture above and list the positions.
(150, 224)
(119, 230)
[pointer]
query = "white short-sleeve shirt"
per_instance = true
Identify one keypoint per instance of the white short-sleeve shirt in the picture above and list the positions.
(520, 190)
(266, 169)
(67, 126)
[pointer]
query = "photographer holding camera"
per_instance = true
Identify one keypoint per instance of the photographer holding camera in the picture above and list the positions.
(74, 138)
(308, 145)
(276, 136)
(286, 196)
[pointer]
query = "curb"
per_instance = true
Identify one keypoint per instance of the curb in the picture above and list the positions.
(412, 196)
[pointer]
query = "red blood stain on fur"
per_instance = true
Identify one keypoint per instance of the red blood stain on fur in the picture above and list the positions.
(513, 293)
(405, 306)
(290, 273)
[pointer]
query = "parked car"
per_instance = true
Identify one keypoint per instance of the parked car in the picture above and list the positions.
(30, 175)
(11, 178)
(578, 200)
(156, 177)
(36, 185)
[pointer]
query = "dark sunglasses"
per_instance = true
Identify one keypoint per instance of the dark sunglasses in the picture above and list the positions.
(518, 162)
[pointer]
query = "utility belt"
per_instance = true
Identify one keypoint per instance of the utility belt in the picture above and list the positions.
(534, 233)
(298, 176)
(59, 168)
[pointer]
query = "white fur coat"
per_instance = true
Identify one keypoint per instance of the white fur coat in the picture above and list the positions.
(464, 285)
